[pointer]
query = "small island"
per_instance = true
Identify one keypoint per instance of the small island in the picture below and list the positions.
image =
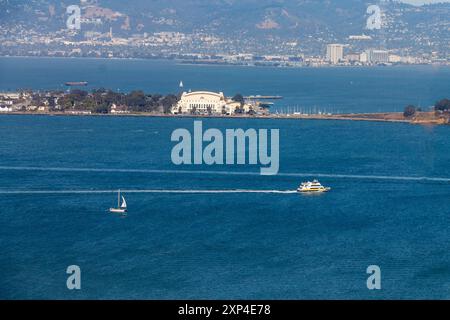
(191, 104)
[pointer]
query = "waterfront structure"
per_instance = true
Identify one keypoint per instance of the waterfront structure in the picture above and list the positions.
(206, 102)
(5, 109)
(43, 109)
(335, 53)
(232, 107)
(202, 102)
(10, 95)
(363, 57)
(393, 58)
(377, 56)
(353, 57)
(121, 109)
(6, 102)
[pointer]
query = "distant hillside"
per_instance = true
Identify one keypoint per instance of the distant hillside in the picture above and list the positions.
(305, 20)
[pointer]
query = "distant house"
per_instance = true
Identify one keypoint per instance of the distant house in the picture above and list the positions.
(115, 109)
(10, 95)
(7, 102)
(43, 109)
(232, 107)
(31, 108)
(5, 109)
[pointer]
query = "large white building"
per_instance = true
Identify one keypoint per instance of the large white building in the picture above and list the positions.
(335, 53)
(202, 102)
(378, 56)
(206, 102)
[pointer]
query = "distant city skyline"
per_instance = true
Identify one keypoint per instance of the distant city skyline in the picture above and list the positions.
(291, 33)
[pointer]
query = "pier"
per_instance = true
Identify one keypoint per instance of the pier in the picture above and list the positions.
(259, 97)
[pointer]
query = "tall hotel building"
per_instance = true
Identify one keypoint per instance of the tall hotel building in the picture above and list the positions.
(335, 53)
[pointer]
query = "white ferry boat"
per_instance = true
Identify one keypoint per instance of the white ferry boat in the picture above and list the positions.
(312, 187)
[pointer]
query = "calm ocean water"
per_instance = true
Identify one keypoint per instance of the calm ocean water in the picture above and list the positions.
(310, 89)
(225, 246)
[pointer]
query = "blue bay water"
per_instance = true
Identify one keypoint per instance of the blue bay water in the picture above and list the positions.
(224, 245)
(335, 90)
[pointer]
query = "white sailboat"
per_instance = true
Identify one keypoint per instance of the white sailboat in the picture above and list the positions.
(121, 208)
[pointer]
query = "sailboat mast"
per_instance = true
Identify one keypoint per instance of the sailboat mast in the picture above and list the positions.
(118, 199)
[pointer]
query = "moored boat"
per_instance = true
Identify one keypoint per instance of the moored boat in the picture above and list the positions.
(76, 84)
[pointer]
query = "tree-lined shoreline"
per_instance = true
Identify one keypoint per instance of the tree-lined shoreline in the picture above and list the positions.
(138, 103)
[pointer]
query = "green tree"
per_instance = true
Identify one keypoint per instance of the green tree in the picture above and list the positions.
(410, 111)
(65, 102)
(103, 108)
(136, 101)
(442, 105)
(239, 98)
(168, 102)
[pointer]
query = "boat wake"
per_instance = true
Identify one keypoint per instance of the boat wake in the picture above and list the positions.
(231, 173)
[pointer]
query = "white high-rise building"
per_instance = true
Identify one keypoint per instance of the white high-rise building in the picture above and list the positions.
(364, 57)
(335, 53)
(378, 56)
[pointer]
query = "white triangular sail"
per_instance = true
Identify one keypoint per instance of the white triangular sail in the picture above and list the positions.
(124, 203)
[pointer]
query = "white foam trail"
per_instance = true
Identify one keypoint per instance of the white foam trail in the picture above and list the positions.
(234, 173)
(51, 192)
